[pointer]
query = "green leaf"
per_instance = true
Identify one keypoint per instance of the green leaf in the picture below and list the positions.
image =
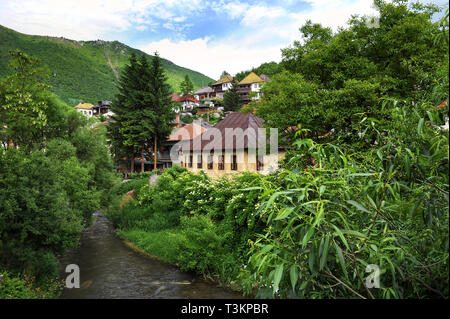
(277, 277)
(284, 213)
(359, 206)
(322, 189)
(312, 257)
(361, 174)
(341, 259)
(266, 249)
(303, 285)
(294, 276)
(323, 258)
(354, 233)
(420, 126)
(307, 237)
(341, 235)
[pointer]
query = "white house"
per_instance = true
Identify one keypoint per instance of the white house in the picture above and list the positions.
(85, 108)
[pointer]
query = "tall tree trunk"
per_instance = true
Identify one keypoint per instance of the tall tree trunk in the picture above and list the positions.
(142, 160)
(156, 148)
(132, 163)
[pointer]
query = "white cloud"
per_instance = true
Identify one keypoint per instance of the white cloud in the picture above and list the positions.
(211, 58)
(179, 19)
(257, 16)
(90, 19)
(334, 14)
(233, 9)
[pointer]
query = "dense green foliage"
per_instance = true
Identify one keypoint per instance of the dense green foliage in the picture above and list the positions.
(312, 228)
(374, 195)
(22, 100)
(203, 225)
(13, 287)
(53, 176)
(331, 78)
(83, 70)
(387, 206)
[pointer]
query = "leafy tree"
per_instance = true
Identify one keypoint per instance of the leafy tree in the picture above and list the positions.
(23, 101)
(231, 100)
(186, 87)
(354, 68)
(35, 216)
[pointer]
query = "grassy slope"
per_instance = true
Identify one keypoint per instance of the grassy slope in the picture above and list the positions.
(83, 70)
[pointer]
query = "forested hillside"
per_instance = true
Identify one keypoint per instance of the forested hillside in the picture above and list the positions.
(83, 70)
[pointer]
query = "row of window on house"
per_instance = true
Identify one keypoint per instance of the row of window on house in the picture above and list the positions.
(189, 163)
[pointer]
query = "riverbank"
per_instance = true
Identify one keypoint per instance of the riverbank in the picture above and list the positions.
(113, 269)
(149, 245)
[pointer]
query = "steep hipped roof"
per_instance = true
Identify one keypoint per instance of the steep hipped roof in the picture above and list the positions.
(225, 79)
(251, 78)
(204, 90)
(84, 106)
(188, 98)
(236, 120)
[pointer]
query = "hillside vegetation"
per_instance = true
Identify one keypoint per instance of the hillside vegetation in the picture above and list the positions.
(83, 70)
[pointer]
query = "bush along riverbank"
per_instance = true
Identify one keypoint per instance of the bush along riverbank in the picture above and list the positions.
(200, 224)
(312, 229)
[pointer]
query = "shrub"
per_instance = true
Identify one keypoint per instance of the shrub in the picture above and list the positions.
(202, 249)
(14, 287)
(387, 207)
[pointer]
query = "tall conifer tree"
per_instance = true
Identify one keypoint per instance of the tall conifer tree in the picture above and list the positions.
(143, 108)
(161, 104)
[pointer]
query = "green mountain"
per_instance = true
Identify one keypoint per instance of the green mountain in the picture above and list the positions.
(83, 70)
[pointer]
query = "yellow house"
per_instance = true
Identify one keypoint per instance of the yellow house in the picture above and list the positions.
(233, 145)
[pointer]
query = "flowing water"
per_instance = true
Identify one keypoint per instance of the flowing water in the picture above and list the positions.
(109, 269)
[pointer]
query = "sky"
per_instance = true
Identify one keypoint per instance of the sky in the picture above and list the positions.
(206, 36)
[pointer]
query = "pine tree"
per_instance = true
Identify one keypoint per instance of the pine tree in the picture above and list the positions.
(143, 108)
(186, 87)
(124, 107)
(161, 103)
(231, 98)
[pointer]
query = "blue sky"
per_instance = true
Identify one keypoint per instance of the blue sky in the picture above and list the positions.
(206, 36)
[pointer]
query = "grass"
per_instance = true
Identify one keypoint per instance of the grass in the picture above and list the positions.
(162, 244)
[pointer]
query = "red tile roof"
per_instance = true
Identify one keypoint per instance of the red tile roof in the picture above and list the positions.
(188, 98)
(174, 97)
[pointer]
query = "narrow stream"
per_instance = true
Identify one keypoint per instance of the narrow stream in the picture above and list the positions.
(109, 269)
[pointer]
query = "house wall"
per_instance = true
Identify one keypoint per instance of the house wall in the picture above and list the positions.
(244, 165)
(88, 113)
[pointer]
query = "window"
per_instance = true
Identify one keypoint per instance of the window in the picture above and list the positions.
(210, 162)
(221, 162)
(233, 163)
(260, 163)
(199, 161)
(190, 161)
